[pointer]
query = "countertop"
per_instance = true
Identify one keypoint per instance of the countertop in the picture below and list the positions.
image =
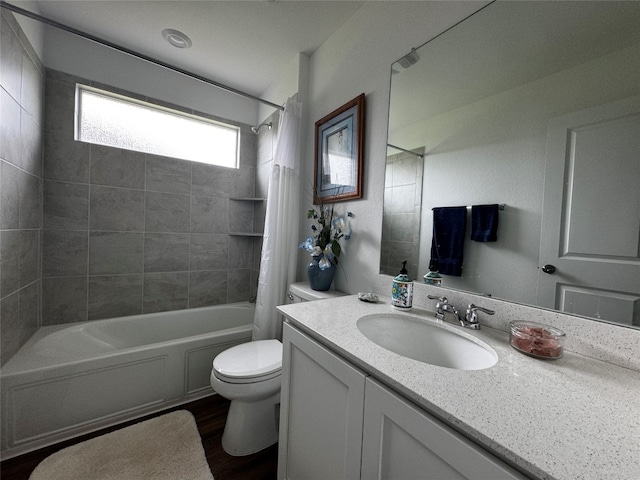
(566, 419)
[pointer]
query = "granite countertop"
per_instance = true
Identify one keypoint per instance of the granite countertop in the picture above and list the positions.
(566, 419)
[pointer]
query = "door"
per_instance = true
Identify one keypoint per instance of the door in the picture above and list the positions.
(590, 242)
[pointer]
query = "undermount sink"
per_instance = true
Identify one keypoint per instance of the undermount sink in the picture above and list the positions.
(426, 342)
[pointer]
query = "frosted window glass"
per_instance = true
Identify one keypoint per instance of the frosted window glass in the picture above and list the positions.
(122, 123)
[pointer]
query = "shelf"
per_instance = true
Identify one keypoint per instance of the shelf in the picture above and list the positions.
(246, 199)
(245, 234)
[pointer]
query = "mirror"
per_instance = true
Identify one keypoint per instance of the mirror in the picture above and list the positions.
(508, 94)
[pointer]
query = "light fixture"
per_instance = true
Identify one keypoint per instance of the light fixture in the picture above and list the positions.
(176, 38)
(407, 61)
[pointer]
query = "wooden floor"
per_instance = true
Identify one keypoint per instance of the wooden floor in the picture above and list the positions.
(210, 414)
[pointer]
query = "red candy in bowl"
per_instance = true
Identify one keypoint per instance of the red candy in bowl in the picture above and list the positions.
(537, 340)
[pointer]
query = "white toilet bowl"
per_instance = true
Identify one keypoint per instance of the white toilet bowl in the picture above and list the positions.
(249, 376)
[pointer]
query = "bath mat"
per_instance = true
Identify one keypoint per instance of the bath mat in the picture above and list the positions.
(163, 448)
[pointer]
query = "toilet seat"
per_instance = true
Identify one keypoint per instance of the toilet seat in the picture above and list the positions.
(249, 362)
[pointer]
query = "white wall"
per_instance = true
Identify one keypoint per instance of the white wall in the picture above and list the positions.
(77, 56)
(357, 59)
(33, 29)
(293, 79)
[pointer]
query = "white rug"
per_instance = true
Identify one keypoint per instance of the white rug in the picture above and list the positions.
(163, 448)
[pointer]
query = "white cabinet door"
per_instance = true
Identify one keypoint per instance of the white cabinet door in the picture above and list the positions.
(320, 414)
(402, 442)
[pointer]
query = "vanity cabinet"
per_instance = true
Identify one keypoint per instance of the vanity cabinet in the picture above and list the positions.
(337, 422)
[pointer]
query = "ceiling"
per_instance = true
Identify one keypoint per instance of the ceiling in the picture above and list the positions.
(241, 43)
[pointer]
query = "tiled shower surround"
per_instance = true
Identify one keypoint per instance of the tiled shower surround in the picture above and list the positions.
(90, 232)
(401, 220)
(21, 107)
(127, 233)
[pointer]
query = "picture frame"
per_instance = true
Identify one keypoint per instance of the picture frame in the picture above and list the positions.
(339, 153)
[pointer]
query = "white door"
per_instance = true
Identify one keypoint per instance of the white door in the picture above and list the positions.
(590, 242)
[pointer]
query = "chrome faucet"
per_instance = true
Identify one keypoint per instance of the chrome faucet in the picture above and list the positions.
(450, 314)
(441, 301)
(445, 311)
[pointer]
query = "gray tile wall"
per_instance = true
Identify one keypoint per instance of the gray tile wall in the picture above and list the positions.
(21, 110)
(401, 219)
(128, 233)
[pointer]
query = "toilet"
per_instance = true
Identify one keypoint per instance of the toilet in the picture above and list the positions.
(249, 375)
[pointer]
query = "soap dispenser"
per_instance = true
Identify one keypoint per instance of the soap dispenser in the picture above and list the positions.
(433, 278)
(402, 290)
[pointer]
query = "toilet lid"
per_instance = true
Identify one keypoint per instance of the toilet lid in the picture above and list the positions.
(249, 360)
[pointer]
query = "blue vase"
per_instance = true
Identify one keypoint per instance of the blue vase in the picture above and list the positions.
(320, 280)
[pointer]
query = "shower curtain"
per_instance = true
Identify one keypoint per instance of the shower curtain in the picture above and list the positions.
(280, 244)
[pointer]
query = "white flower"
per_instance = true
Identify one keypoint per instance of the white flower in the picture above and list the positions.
(327, 234)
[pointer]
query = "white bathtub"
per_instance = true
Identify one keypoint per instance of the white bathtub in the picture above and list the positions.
(71, 379)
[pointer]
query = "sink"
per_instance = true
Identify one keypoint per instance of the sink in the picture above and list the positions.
(426, 342)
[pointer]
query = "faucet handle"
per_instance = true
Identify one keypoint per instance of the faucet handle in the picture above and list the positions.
(435, 297)
(441, 302)
(472, 315)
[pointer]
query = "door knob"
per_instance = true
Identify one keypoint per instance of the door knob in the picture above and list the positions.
(548, 268)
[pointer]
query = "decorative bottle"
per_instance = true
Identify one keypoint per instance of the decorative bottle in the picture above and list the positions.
(402, 290)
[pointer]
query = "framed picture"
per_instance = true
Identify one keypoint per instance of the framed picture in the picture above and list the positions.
(339, 153)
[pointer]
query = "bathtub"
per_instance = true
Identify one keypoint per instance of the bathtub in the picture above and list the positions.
(72, 379)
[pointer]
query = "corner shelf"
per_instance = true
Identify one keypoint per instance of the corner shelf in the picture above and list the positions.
(245, 234)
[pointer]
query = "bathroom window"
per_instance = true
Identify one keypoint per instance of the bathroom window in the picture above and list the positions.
(106, 118)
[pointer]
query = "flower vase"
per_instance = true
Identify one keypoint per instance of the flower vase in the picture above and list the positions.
(320, 280)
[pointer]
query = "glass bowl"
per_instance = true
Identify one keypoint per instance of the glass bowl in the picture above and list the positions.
(537, 340)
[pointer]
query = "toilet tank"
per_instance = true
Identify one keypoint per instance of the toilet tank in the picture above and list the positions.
(301, 292)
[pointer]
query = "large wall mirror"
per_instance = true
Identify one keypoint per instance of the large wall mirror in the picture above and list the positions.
(536, 106)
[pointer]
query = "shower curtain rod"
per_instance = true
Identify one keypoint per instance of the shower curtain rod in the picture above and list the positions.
(106, 43)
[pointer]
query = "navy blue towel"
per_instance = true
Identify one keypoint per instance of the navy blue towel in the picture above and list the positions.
(449, 225)
(484, 223)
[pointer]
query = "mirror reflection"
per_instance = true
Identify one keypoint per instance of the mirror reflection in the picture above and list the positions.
(536, 106)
